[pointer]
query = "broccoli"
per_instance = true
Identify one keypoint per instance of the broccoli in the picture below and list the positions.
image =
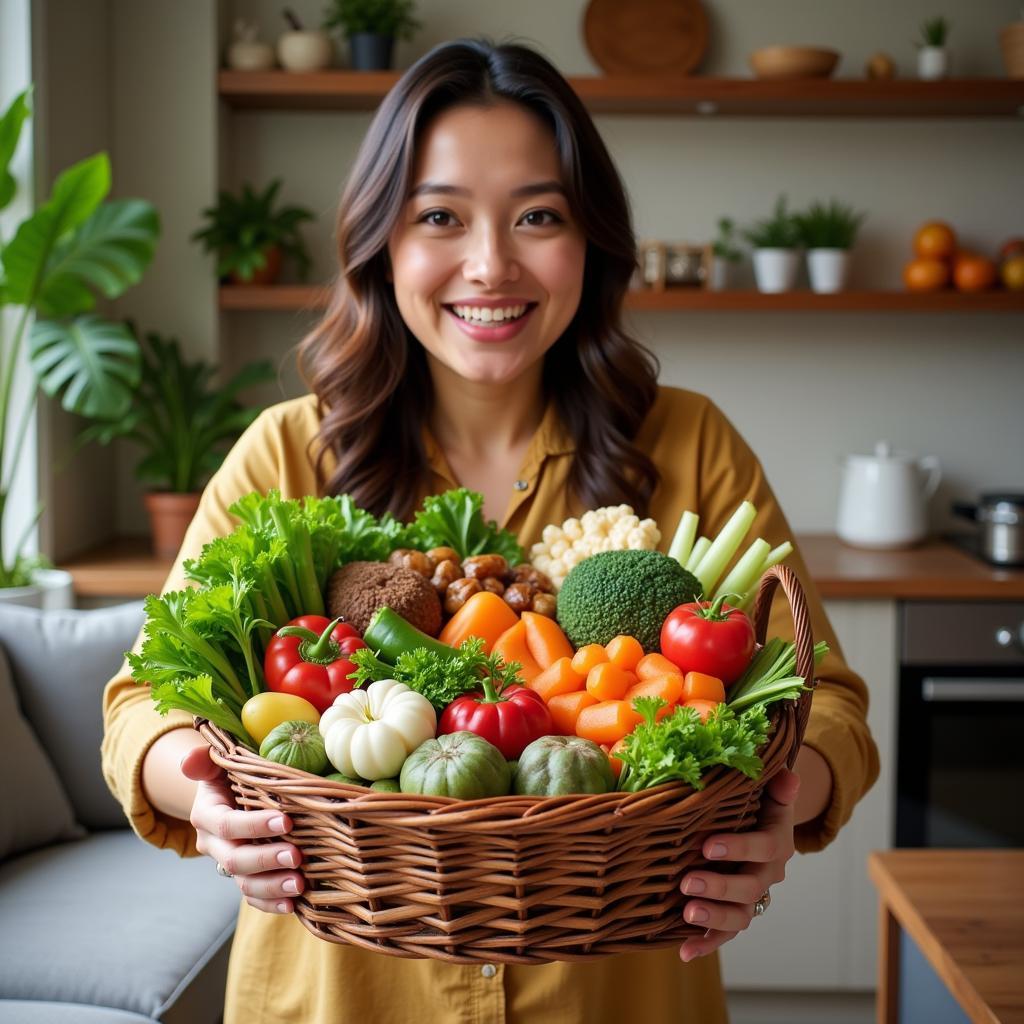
(628, 592)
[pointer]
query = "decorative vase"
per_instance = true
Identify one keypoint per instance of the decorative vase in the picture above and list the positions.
(247, 52)
(267, 274)
(370, 51)
(776, 269)
(1011, 42)
(932, 62)
(307, 50)
(828, 269)
(169, 516)
(50, 589)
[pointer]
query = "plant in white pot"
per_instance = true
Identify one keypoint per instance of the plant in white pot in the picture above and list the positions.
(371, 27)
(932, 55)
(726, 254)
(828, 232)
(776, 242)
(182, 422)
(69, 250)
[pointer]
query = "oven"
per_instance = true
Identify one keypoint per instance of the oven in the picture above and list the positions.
(960, 731)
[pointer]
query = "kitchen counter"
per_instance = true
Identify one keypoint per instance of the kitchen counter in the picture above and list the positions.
(964, 909)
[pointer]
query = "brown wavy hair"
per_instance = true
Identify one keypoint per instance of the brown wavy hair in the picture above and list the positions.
(368, 370)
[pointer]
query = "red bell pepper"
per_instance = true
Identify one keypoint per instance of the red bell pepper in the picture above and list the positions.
(309, 658)
(510, 718)
(713, 638)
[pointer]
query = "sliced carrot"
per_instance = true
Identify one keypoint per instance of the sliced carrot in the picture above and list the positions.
(545, 639)
(587, 657)
(699, 686)
(484, 615)
(702, 707)
(607, 722)
(668, 687)
(511, 646)
(565, 708)
(611, 751)
(558, 678)
(609, 682)
(625, 651)
(651, 665)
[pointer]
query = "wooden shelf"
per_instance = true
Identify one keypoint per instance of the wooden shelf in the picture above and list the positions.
(285, 298)
(675, 96)
(125, 567)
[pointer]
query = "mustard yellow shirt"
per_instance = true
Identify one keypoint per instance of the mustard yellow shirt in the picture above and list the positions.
(279, 971)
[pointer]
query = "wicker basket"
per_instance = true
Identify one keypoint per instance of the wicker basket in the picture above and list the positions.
(521, 880)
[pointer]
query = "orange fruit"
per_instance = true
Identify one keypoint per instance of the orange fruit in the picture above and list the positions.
(973, 273)
(935, 240)
(1012, 273)
(926, 275)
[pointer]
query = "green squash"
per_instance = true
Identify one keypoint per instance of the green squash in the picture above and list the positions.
(296, 744)
(347, 779)
(459, 764)
(386, 786)
(561, 765)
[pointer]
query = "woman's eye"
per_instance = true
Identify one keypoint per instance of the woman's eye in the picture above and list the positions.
(533, 218)
(443, 222)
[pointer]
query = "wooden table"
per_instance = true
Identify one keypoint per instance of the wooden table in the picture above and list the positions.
(965, 911)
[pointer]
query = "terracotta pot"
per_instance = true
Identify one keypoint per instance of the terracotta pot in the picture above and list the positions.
(169, 516)
(267, 274)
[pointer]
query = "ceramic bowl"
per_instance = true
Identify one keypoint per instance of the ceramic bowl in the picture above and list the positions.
(793, 62)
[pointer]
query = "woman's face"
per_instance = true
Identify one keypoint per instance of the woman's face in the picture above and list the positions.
(487, 261)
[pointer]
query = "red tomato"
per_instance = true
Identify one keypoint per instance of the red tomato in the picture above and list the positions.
(715, 639)
(510, 720)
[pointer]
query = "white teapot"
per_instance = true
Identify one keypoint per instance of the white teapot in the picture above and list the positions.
(883, 498)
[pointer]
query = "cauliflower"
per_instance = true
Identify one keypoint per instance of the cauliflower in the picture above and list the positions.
(612, 528)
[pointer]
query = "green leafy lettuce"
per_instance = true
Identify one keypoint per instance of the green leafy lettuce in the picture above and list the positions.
(455, 520)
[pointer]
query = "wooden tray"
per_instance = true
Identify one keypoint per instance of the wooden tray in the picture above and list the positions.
(646, 37)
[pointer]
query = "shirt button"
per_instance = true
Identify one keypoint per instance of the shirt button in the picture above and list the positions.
(488, 970)
(521, 485)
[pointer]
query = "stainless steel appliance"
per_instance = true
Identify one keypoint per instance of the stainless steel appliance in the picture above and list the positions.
(1001, 535)
(960, 733)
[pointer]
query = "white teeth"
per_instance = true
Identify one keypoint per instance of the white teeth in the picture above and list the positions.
(486, 315)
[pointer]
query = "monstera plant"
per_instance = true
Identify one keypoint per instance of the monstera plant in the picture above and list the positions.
(70, 250)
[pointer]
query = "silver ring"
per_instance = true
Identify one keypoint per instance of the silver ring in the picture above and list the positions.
(221, 870)
(762, 904)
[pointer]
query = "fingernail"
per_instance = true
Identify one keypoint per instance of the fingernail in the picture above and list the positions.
(686, 955)
(697, 915)
(717, 850)
(290, 885)
(694, 886)
(286, 859)
(278, 824)
(283, 908)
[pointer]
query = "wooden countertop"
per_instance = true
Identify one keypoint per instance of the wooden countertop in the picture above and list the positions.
(964, 909)
(937, 571)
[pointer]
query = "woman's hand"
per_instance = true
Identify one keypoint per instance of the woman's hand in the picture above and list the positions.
(224, 833)
(726, 903)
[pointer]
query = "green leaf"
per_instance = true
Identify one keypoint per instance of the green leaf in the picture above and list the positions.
(10, 131)
(94, 363)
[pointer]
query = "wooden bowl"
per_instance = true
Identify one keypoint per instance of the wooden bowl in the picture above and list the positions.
(793, 62)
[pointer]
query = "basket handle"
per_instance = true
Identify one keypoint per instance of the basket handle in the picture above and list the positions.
(804, 639)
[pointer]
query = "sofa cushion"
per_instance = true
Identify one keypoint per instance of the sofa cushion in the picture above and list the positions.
(110, 921)
(61, 661)
(36, 810)
(21, 1011)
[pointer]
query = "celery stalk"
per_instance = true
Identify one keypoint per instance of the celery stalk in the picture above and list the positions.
(682, 542)
(700, 545)
(774, 557)
(746, 572)
(724, 546)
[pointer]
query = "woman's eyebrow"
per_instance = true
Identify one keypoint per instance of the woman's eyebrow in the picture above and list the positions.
(535, 189)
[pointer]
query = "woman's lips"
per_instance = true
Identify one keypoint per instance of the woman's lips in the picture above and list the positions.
(500, 333)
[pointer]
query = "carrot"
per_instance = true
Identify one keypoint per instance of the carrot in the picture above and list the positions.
(557, 678)
(702, 707)
(587, 657)
(651, 665)
(607, 722)
(611, 751)
(668, 687)
(625, 651)
(699, 686)
(484, 615)
(565, 709)
(545, 639)
(511, 646)
(609, 682)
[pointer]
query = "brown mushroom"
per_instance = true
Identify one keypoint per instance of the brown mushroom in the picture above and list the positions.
(481, 566)
(526, 573)
(446, 572)
(409, 558)
(493, 584)
(545, 604)
(439, 555)
(519, 597)
(459, 592)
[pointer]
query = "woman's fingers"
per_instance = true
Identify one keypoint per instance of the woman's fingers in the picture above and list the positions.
(198, 765)
(252, 858)
(693, 948)
(739, 888)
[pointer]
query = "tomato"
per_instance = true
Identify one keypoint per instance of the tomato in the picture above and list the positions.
(935, 240)
(926, 275)
(973, 273)
(264, 712)
(707, 637)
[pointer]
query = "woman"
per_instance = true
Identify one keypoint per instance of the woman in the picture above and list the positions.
(474, 340)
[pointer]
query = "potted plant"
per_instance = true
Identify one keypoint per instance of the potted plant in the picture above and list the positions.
(932, 55)
(69, 250)
(251, 238)
(371, 27)
(828, 233)
(726, 254)
(775, 241)
(182, 422)
(302, 49)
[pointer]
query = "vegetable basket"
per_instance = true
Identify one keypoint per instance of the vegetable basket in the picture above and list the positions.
(520, 880)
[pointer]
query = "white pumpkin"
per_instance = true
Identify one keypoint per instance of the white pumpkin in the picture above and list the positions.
(369, 733)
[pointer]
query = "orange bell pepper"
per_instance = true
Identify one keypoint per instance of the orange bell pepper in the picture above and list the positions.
(512, 646)
(484, 615)
(545, 639)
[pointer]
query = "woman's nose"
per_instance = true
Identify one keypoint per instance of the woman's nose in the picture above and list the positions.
(491, 259)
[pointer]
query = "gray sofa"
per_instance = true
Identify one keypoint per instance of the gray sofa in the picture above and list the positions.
(96, 925)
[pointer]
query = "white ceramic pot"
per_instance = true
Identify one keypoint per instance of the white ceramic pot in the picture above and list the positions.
(828, 269)
(776, 269)
(51, 590)
(305, 51)
(250, 56)
(932, 62)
